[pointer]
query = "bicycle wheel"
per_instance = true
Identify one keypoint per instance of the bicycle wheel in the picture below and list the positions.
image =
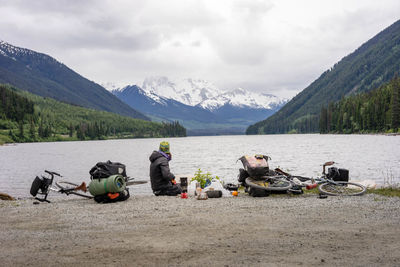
(341, 189)
(270, 184)
(69, 188)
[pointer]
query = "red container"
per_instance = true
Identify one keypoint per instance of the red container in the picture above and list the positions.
(311, 186)
(184, 195)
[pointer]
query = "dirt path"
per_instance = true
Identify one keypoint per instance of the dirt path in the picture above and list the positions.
(246, 231)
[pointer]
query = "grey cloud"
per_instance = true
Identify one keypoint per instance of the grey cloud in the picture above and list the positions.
(75, 7)
(254, 10)
(196, 43)
(122, 41)
(230, 43)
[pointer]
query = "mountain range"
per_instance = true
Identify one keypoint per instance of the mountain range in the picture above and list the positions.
(43, 75)
(199, 105)
(371, 65)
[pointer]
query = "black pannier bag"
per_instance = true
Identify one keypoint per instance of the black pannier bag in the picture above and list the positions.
(256, 166)
(242, 176)
(336, 174)
(40, 183)
(106, 169)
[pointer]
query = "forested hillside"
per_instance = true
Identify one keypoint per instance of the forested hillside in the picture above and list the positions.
(25, 117)
(370, 66)
(42, 75)
(375, 111)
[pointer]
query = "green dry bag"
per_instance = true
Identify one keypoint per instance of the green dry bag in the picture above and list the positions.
(112, 184)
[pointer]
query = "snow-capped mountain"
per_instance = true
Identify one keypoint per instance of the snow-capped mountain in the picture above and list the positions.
(243, 98)
(199, 105)
(187, 91)
(206, 95)
(110, 86)
(160, 107)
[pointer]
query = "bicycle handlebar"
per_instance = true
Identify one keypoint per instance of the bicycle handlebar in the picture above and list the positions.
(52, 173)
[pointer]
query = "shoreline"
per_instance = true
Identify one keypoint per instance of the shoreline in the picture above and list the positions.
(73, 140)
(236, 231)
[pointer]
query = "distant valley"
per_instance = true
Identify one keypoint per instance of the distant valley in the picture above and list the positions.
(199, 105)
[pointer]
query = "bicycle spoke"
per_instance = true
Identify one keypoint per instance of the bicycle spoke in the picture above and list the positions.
(341, 189)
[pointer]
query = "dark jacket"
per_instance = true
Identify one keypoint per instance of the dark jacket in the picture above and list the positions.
(160, 175)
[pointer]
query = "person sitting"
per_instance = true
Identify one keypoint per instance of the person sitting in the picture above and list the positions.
(162, 180)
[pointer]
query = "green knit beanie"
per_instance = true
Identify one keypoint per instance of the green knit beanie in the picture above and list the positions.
(164, 147)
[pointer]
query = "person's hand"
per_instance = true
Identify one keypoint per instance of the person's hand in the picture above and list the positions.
(173, 181)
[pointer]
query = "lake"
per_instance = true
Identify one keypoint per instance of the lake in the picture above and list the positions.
(372, 157)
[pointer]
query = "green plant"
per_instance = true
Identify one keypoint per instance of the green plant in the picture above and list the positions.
(388, 192)
(203, 178)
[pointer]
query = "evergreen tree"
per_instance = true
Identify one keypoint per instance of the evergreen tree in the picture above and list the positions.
(32, 130)
(40, 129)
(372, 112)
(21, 130)
(71, 130)
(323, 121)
(396, 104)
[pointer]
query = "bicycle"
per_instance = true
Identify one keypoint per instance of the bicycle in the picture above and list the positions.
(43, 185)
(326, 184)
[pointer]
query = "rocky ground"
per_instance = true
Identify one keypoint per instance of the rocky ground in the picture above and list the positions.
(237, 231)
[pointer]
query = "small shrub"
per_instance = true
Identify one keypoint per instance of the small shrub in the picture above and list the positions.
(203, 178)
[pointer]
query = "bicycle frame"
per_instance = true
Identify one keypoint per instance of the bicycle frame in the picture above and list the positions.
(43, 185)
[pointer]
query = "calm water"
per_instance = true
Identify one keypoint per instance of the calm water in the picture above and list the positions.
(366, 156)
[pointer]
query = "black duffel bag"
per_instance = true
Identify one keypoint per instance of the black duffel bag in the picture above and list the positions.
(338, 175)
(106, 169)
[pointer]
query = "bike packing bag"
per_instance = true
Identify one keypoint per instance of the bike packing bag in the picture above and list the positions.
(257, 192)
(106, 169)
(40, 183)
(344, 175)
(242, 176)
(339, 175)
(113, 197)
(255, 166)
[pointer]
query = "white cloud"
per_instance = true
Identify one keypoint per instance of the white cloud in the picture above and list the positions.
(276, 46)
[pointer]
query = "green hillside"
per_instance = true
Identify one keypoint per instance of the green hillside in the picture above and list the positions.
(25, 117)
(375, 111)
(370, 66)
(42, 75)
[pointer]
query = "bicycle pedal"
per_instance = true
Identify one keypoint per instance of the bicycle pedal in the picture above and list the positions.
(322, 196)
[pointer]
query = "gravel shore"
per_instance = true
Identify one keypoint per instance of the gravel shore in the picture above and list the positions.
(237, 231)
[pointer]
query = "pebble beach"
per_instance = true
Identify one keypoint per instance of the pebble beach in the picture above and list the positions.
(169, 231)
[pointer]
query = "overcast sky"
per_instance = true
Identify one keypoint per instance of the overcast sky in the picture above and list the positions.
(269, 46)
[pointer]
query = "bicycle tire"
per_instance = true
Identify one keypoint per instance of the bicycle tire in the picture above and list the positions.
(277, 185)
(342, 189)
(68, 186)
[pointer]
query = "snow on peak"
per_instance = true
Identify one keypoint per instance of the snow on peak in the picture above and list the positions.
(10, 50)
(242, 98)
(110, 86)
(187, 91)
(196, 92)
(18, 53)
